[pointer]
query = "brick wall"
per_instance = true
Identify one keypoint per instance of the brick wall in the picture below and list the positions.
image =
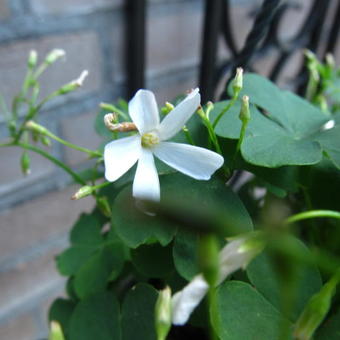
(35, 211)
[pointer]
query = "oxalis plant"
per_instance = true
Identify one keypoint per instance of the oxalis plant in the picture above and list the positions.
(212, 220)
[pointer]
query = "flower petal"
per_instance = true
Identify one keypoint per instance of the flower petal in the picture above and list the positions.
(146, 182)
(187, 299)
(120, 155)
(143, 111)
(177, 118)
(193, 161)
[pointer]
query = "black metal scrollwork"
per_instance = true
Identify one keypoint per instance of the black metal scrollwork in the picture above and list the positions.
(320, 29)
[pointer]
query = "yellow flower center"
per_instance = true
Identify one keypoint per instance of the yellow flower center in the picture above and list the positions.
(150, 139)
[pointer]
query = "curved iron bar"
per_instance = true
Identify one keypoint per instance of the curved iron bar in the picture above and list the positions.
(227, 29)
(258, 32)
(334, 32)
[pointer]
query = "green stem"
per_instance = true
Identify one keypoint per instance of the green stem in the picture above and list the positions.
(221, 114)
(239, 142)
(101, 185)
(214, 140)
(312, 214)
(45, 154)
(91, 153)
(188, 135)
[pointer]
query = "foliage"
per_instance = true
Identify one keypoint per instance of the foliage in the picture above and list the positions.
(121, 257)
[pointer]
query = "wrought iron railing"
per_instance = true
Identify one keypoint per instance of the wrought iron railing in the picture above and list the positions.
(320, 28)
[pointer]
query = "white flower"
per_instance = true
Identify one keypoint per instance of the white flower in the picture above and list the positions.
(120, 155)
(235, 255)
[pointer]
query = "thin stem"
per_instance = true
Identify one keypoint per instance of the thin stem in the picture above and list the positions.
(45, 154)
(91, 153)
(188, 135)
(239, 142)
(221, 114)
(312, 214)
(101, 185)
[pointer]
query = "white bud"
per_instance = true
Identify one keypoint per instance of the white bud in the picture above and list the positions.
(80, 80)
(54, 55)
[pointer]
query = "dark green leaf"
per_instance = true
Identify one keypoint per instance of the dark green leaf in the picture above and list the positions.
(61, 311)
(265, 277)
(185, 253)
(69, 261)
(242, 313)
(153, 260)
(105, 264)
(138, 313)
(185, 201)
(330, 330)
(87, 230)
(134, 226)
(96, 317)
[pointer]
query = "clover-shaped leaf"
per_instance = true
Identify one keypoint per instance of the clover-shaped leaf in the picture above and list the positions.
(284, 129)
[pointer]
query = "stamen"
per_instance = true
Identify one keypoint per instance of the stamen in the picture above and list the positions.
(150, 139)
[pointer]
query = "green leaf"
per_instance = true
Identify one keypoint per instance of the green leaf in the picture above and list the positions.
(61, 311)
(330, 330)
(285, 134)
(94, 274)
(135, 227)
(153, 260)
(264, 276)
(70, 260)
(330, 142)
(138, 313)
(96, 317)
(243, 313)
(184, 195)
(86, 238)
(87, 230)
(185, 253)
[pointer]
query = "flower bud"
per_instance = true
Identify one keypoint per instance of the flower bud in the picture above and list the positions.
(54, 55)
(25, 163)
(168, 107)
(208, 251)
(315, 311)
(330, 60)
(104, 206)
(32, 59)
(244, 115)
(74, 84)
(238, 81)
(82, 192)
(35, 127)
(163, 313)
(56, 332)
(200, 112)
(45, 141)
(107, 107)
